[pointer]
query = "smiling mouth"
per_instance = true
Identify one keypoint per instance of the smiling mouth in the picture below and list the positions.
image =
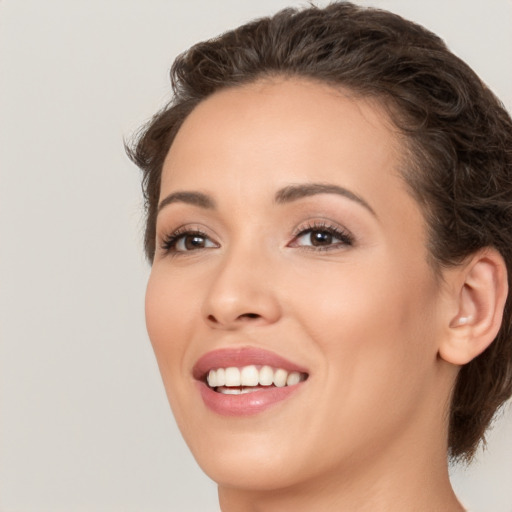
(251, 378)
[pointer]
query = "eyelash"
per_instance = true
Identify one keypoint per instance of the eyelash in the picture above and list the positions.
(346, 239)
(170, 241)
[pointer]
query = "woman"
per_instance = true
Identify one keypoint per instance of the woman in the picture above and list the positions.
(329, 222)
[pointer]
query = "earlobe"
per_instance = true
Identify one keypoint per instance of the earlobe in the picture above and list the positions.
(479, 297)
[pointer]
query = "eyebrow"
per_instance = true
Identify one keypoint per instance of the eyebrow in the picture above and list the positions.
(193, 198)
(285, 195)
(295, 192)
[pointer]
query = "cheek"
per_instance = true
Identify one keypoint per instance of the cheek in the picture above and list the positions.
(373, 322)
(383, 289)
(167, 311)
(380, 354)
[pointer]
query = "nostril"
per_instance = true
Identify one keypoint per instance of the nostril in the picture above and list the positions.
(214, 320)
(249, 315)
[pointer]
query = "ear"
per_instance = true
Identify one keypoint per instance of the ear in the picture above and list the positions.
(478, 294)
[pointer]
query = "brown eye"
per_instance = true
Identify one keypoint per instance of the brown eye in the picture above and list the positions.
(319, 238)
(322, 238)
(187, 241)
(191, 242)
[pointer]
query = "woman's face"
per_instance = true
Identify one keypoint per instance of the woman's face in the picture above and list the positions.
(287, 239)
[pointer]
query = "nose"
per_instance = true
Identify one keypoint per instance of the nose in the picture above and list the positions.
(241, 293)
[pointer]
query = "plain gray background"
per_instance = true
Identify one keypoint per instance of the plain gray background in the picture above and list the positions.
(84, 422)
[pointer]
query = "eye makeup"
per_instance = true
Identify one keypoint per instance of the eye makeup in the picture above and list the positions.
(322, 236)
(186, 239)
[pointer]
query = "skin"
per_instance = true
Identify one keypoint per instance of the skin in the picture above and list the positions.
(367, 431)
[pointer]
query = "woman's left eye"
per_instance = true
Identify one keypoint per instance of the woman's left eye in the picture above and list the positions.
(322, 238)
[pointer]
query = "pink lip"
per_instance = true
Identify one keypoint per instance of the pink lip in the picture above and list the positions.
(249, 403)
(224, 358)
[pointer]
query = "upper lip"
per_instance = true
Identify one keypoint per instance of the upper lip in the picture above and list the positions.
(239, 357)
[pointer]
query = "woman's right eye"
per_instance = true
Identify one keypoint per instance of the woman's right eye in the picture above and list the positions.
(187, 241)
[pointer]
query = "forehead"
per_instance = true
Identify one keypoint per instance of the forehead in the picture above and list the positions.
(285, 130)
(300, 103)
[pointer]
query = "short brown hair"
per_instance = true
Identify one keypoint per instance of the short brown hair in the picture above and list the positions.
(458, 145)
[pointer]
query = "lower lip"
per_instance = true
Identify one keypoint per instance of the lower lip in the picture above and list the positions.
(245, 404)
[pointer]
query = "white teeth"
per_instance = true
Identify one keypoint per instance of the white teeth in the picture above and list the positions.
(248, 378)
(230, 391)
(266, 376)
(212, 379)
(232, 377)
(245, 390)
(221, 377)
(280, 377)
(293, 378)
(237, 391)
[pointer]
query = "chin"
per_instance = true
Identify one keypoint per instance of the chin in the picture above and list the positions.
(257, 458)
(249, 470)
